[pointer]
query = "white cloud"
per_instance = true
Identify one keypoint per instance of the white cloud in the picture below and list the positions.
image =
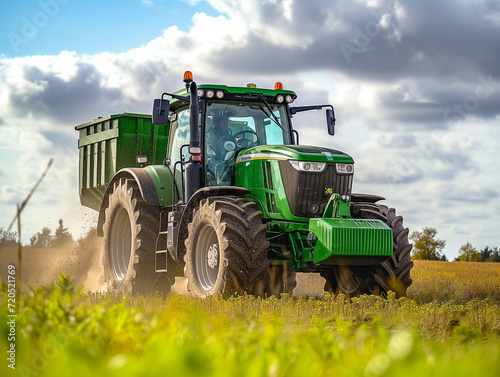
(494, 18)
(10, 195)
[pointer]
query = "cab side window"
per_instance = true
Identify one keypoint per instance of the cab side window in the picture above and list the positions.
(179, 137)
(180, 132)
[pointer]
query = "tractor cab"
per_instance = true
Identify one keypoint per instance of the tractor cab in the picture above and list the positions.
(230, 119)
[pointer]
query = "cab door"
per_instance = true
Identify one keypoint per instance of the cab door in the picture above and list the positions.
(178, 150)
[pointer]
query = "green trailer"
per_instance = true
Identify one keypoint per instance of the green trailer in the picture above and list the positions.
(109, 144)
(216, 187)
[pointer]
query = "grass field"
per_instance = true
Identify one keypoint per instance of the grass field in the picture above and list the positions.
(448, 326)
(454, 281)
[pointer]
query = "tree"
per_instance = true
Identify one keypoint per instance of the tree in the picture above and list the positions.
(468, 253)
(426, 245)
(7, 238)
(495, 255)
(62, 236)
(485, 254)
(42, 239)
(490, 255)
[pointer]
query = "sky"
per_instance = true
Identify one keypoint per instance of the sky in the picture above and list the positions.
(415, 86)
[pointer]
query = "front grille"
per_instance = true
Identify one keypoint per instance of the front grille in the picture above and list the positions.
(306, 190)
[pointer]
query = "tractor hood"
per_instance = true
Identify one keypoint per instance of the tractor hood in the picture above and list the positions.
(293, 152)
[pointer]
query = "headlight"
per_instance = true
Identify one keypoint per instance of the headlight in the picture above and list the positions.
(308, 166)
(344, 168)
(280, 98)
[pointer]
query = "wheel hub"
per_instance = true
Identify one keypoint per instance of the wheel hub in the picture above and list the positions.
(206, 258)
(120, 248)
(213, 256)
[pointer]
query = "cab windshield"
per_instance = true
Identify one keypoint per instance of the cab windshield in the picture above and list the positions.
(231, 126)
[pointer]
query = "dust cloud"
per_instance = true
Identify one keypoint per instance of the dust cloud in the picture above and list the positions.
(40, 266)
(83, 263)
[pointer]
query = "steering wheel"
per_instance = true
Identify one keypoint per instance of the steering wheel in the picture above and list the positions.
(242, 141)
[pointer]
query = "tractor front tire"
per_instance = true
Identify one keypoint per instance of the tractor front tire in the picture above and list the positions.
(130, 233)
(391, 275)
(226, 248)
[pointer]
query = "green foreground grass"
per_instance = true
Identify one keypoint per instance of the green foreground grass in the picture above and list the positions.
(61, 333)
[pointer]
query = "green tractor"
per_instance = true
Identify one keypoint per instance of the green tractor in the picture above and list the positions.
(216, 187)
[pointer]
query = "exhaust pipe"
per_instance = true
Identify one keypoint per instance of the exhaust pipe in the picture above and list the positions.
(194, 168)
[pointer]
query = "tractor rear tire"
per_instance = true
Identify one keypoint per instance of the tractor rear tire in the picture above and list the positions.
(280, 280)
(391, 275)
(226, 248)
(130, 233)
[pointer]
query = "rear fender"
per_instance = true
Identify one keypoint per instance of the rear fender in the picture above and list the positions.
(146, 186)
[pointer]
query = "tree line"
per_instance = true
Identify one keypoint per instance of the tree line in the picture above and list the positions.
(44, 238)
(427, 246)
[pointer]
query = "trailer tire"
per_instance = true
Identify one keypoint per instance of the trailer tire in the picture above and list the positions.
(226, 248)
(391, 275)
(280, 280)
(130, 233)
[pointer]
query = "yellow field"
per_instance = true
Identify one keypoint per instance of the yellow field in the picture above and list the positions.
(449, 325)
(456, 281)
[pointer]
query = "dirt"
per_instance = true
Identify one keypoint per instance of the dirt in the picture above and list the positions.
(309, 284)
(83, 264)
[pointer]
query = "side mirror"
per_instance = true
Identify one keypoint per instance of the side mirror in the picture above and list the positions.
(330, 121)
(160, 111)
